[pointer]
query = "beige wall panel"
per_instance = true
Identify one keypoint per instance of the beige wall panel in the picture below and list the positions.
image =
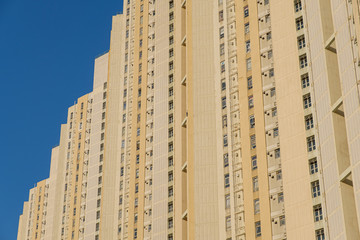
(100, 76)
(160, 157)
(108, 228)
(205, 162)
(296, 180)
(23, 221)
(52, 208)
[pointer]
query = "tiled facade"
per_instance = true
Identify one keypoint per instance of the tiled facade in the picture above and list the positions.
(216, 119)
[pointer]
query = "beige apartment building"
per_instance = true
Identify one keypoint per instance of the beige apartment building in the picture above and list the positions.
(212, 119)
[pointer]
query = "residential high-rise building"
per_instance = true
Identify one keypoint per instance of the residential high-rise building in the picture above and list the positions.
(212, 120)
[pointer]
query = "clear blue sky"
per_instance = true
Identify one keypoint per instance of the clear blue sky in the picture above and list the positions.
(47, 51)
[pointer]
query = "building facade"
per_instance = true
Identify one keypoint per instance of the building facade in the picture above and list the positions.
(216, 119)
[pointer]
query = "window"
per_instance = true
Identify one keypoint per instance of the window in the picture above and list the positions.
(170, 207)
(171, 132)
(170, 161)
(171, 40)
(170, 176)
(171, 52)
(305, 82)
(171, 105)
(223, 102)
(248, 64)
(254, 162)
(267, 18)
(299, 23)
(171, 4)
(271, 72)
(171, 147)
(227, 201)
(170, 191)
(171, 16)
(170, 223)
(313, 166)
(297, 5)
(226, 159)
(258, 229)
(136, 202)
(222, 66)
(221, 32)
(251, 101)
(140, 43)
(225, 140)
(307, 101)
(311, 143)
(318, 213)
(138, 132)
(223, 85)
(135, 233)
(303, 61)
(171, 66)
(99, 191)
(252, 141)
(319, 234)
(277, 153)
(280, 197)
(272, 92)
(301, 42)
(247, 46)
(282, 220)
(252, 121)
(221, 15)
(136, 188)
(171, 118)
(228, 223)
(309, 122)
(268, 36)
(227, 180)
(246, 11)
(224, 121)
(256, 206)
(270, 54)
(278, 175)
(315, 189)
(171, 78)
(247, 28)
(138, 117)
(171, 27)
(274, 112)
(276, 132)
(222, 49)
(255, 184)
(249, 83)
